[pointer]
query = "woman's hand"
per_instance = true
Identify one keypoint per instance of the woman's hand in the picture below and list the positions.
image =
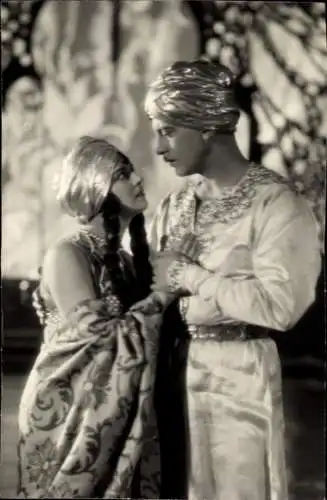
(148, 306)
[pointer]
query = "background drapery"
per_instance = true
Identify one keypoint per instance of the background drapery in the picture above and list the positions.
(83, 67)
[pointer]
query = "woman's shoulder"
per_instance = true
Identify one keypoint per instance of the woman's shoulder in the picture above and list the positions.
(63, 261)
(66, 253)
(79, 242)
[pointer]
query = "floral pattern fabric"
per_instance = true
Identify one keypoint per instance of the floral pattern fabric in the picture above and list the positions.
(86, 421)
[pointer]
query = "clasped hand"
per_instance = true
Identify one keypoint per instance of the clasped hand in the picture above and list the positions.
(186, 249)
(162, 295)
(161, 262)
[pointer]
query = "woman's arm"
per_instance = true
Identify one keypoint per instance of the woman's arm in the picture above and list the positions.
(68, 278)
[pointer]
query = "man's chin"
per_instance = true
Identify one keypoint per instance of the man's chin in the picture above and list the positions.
(183, 172)
(180, 170)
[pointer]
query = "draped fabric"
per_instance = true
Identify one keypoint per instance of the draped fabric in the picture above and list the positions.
(236, 422)
(86, 420)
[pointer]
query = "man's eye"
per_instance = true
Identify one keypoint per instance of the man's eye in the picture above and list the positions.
(167, 132)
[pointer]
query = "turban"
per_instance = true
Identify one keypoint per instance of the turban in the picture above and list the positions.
(194, 94)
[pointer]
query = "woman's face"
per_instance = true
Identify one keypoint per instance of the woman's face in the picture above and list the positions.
(127, 186)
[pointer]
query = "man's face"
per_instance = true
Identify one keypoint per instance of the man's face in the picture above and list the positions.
(184, 149)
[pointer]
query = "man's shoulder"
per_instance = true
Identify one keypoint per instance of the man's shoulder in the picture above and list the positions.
(267, 185)
(263, 176)
(278, 195)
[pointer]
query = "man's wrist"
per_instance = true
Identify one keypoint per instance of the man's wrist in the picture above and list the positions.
(186, 276)
(175, 275)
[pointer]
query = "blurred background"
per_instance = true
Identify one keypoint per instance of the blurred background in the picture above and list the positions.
(82, 67)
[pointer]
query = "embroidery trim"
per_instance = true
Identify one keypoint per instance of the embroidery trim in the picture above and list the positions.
(193, 215)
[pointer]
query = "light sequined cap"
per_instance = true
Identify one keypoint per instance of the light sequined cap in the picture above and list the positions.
(86, 177)
(194, 94)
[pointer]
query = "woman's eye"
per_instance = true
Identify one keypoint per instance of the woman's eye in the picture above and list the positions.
(122, 175)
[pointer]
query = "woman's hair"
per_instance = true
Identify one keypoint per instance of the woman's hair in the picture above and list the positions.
(111, 223)
(139, 248)
(84, 192)
(141, 254)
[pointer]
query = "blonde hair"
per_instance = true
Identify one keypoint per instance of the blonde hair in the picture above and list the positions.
(86, 177)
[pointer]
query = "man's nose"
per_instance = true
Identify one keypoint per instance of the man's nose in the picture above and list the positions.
(161, 145)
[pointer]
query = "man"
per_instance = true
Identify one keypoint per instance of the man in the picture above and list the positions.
(239, 248)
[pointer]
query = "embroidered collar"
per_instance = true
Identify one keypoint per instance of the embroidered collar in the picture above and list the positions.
(225, 192)
(229, 206)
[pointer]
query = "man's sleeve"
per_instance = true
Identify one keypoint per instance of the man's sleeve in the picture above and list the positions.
(285, 264)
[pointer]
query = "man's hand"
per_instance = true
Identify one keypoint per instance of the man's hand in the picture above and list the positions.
(189, 247)
(163, 265)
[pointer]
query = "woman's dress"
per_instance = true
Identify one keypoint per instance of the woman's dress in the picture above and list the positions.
(86, 424)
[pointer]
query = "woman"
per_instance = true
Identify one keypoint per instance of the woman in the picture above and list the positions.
(85, 419)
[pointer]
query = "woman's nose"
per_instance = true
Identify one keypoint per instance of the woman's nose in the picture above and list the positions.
(136, 179)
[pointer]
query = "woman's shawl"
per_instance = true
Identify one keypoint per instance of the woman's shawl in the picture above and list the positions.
(86, 417)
